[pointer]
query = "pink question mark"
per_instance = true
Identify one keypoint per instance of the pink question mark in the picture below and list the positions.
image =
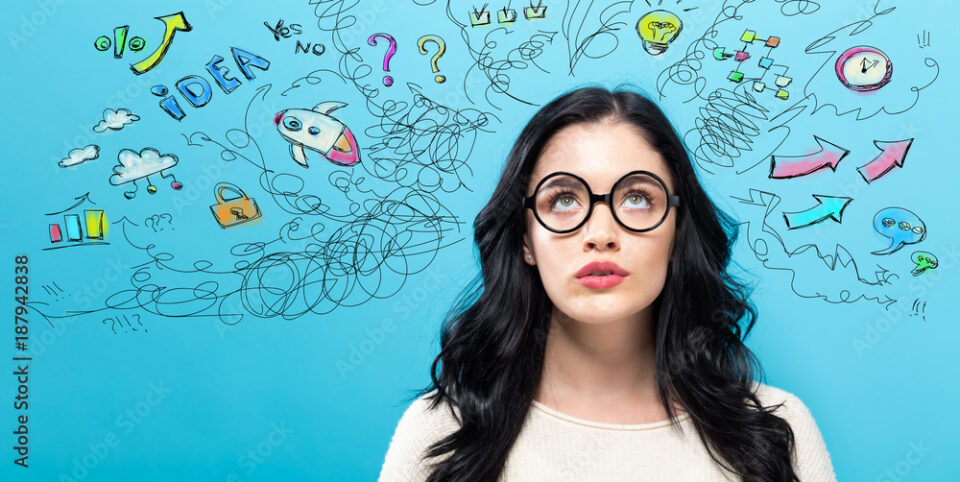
(387, 80)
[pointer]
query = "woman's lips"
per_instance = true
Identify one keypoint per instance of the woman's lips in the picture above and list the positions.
(601, 282)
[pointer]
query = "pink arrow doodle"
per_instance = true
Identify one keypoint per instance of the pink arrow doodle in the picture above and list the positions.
(829, 155)
(892, 154)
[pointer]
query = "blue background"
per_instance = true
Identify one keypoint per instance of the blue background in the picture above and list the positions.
(316, 396)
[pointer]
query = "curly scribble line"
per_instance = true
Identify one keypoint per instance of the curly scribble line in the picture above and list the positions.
(770, 249)
(577, 47)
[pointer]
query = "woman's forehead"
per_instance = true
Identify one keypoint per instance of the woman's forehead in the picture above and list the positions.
(600, 153)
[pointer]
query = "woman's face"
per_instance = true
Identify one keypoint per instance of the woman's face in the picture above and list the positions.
(600, 153)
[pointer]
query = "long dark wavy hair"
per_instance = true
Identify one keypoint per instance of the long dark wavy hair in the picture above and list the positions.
(493, 340)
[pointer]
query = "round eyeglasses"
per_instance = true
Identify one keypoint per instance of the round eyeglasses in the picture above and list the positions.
(563, 202)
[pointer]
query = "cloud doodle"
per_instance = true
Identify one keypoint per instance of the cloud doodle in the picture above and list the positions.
(115, 120)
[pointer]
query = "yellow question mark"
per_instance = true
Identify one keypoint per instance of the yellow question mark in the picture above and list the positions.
(436, 58)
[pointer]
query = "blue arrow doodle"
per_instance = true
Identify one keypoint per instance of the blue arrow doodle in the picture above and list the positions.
(830, 207)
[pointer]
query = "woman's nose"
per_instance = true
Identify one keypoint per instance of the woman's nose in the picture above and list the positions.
(601, 229)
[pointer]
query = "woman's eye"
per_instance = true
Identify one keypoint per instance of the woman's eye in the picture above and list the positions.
(565, 201)
(637, 200)
(291, 123)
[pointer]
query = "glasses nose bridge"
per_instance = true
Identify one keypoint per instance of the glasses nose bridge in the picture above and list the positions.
(596, 198)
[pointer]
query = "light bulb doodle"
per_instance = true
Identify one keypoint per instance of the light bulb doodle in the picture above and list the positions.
(657, 29)
(133, 166)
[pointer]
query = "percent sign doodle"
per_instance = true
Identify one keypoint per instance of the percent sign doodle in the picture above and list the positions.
(172, 23)
(119, 42)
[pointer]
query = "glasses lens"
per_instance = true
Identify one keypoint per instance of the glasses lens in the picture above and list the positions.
(640, 201)
(562, 202)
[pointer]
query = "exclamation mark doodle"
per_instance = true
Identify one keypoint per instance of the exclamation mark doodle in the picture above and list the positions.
(119, 40)
(54, 290)
(919, 309)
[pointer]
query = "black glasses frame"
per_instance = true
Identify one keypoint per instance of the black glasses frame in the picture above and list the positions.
(673, 200)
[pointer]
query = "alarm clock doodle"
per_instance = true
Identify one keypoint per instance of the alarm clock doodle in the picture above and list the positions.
(864, 69)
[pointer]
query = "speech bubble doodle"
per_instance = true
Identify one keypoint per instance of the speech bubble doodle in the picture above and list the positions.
(901, 226)
(924, 260)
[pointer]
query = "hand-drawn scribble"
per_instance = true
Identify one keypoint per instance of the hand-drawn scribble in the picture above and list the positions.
(835, 278)
(115, 120)
(318, 131)
(658, 28)
(828, 207)
(732, 121)
(497, 70)
(923, 39)
(901, 226)
(324, 257)
(80, 155)
(924, 261)
(119, 42)
(391, 50)
(786, 167)
(173, 23)
(236, 210)
(71, 232)
(133, 166)
(157, 221)
(892, 154)
(599, 38)
(864, 68)
(196, 90)
(124, 323)
(442, 47)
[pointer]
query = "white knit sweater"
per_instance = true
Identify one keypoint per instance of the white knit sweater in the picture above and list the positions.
(554, 447)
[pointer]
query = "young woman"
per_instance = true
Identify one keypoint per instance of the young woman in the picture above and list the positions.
(601, 340)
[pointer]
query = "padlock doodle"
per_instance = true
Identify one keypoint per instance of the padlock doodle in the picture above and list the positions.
(238, 212)
(231, 212)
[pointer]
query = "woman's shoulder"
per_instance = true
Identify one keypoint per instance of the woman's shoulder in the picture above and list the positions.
(812, 458)
(772, 395)
(790, 406)
(420, 426)
(428, 416)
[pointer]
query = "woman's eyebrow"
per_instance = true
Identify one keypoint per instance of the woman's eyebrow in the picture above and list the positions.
(562, 181)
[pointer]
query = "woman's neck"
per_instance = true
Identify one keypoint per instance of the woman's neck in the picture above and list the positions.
(602, 370)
